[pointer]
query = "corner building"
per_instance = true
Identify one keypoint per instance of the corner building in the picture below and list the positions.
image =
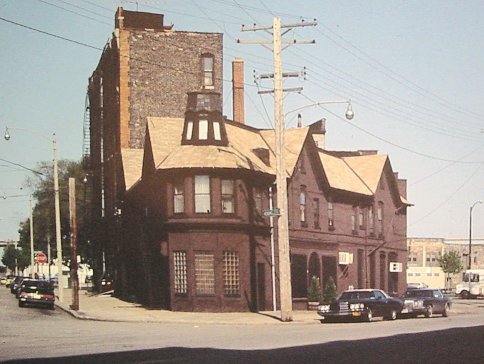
(181, 191)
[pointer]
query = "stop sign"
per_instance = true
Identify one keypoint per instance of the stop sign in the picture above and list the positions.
(40, 257)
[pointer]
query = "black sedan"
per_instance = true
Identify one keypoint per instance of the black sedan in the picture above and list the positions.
(425, 301)
(36, 293)
(363, 304)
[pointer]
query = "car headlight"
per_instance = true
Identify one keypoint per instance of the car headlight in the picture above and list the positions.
(323, 308)
(357, 306)
(418, 303)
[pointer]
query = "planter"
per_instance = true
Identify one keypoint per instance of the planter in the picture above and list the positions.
(313, 306)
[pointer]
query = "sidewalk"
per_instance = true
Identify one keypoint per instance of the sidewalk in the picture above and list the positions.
(104, 307)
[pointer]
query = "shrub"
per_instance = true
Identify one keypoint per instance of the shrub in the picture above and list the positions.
(330, 292)
(314, 291)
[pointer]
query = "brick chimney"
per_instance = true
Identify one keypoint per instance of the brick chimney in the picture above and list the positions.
(238, 90)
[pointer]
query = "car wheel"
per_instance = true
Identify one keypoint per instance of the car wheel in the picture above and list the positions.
(393, 315)
(429, 311)
(464, 294)
(446, 310)
(369, 315)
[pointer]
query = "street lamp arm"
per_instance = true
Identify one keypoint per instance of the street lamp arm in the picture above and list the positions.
(349, 111)
(6, 136)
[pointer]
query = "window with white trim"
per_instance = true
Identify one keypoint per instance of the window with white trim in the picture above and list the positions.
(207, 66)
(302, 205)
(202, 194)
(178, 197)
(228, 200)
(189, 130)
(203, 129)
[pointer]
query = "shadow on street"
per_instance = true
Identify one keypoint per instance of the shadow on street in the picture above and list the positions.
(460, 345)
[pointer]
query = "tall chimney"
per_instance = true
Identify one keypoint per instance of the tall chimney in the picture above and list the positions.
(238, 90)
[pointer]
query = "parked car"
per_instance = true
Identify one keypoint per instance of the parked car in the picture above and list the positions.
(9, 280)
(36, 292)
(425, 301)
(362, 304)
(15, 284)
(26, 281)
(416, 285)
(106, 283)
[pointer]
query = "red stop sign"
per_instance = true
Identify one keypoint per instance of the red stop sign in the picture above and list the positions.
(41, 257)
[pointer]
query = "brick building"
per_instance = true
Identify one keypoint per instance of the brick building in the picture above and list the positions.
(181, 190)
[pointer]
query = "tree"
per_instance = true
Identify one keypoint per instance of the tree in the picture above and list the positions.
(314, 291)
(10, 257)
(330, 292)
(450, 263)
(13, 258)
(42, 186)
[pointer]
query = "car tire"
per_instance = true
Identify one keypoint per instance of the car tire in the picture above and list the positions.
(446, 310)
(393, 315)
(369, 315)
(464, 294)
(429, 311)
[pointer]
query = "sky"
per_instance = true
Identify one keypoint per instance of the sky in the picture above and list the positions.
(413, 70)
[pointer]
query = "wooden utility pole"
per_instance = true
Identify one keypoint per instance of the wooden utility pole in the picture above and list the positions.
(285, 289)
(73, 221)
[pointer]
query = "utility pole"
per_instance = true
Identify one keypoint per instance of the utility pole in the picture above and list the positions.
(285, 289)
(73, 223)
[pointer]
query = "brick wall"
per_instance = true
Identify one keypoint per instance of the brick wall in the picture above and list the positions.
(163, 67)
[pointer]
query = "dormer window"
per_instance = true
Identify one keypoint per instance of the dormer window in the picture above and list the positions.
(189, 133)
(204, 123)
(216, 131)
(203, 129)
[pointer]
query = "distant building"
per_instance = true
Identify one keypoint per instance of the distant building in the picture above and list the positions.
(183, 194)
(423, 254)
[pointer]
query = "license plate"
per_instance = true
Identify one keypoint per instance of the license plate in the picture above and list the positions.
(36, 296)
(356, 314)
(405, 310)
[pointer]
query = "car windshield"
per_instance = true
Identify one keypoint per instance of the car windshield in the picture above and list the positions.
(419, 293)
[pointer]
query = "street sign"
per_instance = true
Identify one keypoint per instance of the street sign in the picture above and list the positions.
(40, 257)
(272, 212)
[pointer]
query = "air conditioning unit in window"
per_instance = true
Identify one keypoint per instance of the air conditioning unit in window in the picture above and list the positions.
(396, 267)
(345, 258)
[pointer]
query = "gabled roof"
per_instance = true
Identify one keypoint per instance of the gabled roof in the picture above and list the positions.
(368, 167)
(294, 142)
(341, 176)
(165, 134)
(132, 162)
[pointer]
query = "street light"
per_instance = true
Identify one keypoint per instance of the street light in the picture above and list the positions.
(57, 204)
(470, 232)
(349, 114)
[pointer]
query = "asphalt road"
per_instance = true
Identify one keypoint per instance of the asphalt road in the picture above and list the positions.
(39, 335)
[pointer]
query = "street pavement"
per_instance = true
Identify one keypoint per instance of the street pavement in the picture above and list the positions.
(105, 307)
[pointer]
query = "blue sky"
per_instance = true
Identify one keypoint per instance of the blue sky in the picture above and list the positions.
(413, 70)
